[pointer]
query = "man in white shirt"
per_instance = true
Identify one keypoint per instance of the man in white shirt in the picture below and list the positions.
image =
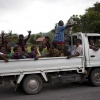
(78, 51)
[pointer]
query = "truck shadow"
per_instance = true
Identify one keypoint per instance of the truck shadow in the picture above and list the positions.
(8, 90)
(67, 86)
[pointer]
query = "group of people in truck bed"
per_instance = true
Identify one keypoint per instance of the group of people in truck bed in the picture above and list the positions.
(58, 47)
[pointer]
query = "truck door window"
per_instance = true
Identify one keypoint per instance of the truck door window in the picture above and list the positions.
(74, 40)
(94, 41)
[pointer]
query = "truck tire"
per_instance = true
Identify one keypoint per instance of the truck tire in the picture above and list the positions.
(94, 77)
(32, 84)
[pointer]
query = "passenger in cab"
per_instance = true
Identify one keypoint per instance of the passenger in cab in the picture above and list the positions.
(78, 50)
(92, 46)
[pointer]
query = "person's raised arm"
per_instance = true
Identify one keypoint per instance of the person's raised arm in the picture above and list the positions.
(29, 34)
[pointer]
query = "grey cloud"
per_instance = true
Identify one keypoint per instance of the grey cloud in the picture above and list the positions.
(6, 5)
(17, 5)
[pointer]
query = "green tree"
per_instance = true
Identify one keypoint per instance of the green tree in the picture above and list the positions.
(38, 36)
(90, 21)
(77, 28)
(12, 36)
(32, 39)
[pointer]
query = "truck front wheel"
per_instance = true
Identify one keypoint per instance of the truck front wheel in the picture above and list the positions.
(32, 84)
(94, 77)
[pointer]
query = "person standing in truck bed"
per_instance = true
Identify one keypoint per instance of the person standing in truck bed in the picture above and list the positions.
(22, 41)
(59, 32)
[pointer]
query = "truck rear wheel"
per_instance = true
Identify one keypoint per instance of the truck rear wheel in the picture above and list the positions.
(94, 77)
(32, 84)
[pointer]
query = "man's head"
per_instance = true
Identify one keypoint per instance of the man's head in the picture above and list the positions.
(91, 42)
(60, 23)
(78, 42)
(21, 37)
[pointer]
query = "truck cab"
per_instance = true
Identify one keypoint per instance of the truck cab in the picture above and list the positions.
(91, 56)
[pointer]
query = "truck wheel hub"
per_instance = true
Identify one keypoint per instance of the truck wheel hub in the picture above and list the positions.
(97, 77)
(32, 84)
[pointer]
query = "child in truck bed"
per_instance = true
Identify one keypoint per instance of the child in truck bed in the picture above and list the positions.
(33, 53)
(19, 54)
(53, 51)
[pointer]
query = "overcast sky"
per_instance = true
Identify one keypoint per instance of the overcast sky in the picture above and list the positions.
(38, 15)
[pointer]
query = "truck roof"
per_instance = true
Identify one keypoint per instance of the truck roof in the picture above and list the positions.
(87, 34)
(92, 34)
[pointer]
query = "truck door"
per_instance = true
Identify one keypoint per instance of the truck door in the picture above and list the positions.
(94, 50)
(78, 60)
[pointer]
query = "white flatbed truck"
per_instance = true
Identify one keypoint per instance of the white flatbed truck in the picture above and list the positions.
(31, 74)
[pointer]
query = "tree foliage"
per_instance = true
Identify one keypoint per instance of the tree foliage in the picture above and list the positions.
(90, 21)
(32, 39)
(12, 36)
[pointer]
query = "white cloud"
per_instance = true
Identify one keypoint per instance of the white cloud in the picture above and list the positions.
(38, 15)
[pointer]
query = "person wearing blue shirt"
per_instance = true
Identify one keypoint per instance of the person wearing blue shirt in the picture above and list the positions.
(59, 32)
